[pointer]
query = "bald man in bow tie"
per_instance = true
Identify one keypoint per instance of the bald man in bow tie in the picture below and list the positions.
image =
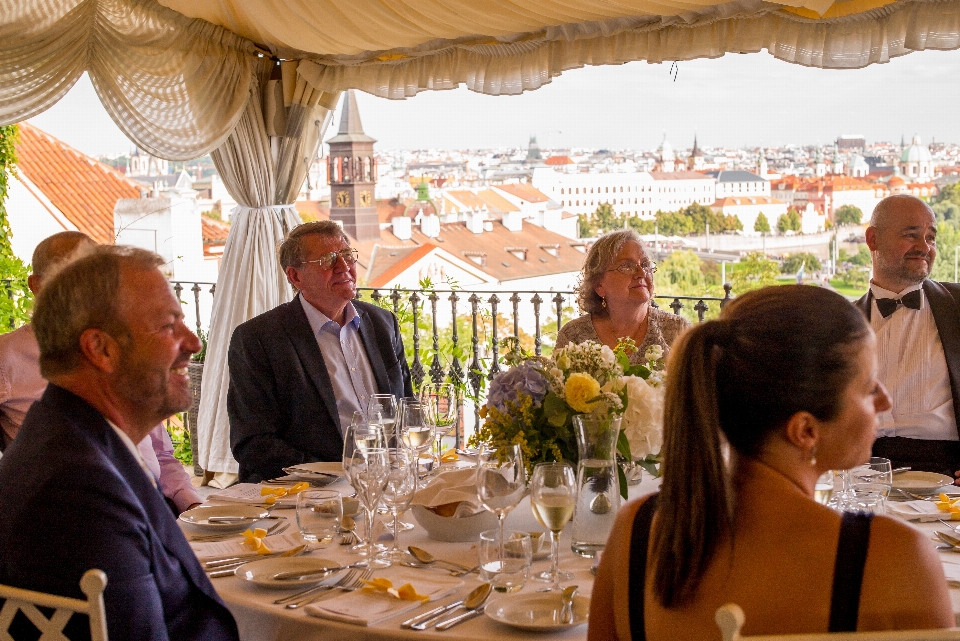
(917, 323)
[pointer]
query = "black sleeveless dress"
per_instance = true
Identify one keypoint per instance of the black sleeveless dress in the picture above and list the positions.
(847, 572)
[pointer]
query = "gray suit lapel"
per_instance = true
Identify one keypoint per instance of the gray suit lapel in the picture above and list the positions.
(946, 315)
(305, 343)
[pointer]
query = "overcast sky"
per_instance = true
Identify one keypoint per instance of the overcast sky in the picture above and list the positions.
(734, 101)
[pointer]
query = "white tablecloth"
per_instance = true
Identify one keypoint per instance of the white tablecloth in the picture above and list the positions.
(260, 620)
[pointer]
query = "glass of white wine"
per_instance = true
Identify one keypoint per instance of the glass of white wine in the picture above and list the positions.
(553, 497)
(382, 409)
(368, 474)
(823, 488)
(415, 431)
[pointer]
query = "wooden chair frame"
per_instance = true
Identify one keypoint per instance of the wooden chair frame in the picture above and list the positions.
(92, 583)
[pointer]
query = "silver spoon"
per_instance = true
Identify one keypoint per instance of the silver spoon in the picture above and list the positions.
(473, 609)
(566, 611)
(426, 558)
(472, 601)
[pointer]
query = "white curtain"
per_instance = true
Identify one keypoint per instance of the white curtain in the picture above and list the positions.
(174, 85)
(263, 165)
(397, 49)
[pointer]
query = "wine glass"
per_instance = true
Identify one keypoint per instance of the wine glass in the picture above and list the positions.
(399, 491)
(553, 496)
(440, 404)
(823, 488)
(382, 409)
(501, 481)
(875, 476)
(415, 431)
(368, 474)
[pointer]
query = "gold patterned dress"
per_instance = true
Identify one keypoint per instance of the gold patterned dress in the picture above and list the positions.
(663, 328)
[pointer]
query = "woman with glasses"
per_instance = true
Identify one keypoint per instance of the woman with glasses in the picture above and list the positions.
(615, 292)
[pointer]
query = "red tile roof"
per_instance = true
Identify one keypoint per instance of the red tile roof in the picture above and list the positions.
(83, 189)
(213, 232)
(386, 269)
(525, 192)
(678, 175)
(559, 160)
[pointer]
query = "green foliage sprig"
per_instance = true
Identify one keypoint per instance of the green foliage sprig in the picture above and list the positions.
(16, 301)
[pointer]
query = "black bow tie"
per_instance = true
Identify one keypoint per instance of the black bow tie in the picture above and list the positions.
(888, 306)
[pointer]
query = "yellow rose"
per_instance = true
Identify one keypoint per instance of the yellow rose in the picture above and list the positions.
(579, 389)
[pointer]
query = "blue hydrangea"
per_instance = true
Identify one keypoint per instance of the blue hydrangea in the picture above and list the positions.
(522, 379)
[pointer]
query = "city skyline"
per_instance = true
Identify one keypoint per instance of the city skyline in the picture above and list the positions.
(741, 101)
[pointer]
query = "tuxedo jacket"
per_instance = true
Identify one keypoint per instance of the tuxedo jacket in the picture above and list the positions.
(73, 498)
(944, 301)
(280, 401)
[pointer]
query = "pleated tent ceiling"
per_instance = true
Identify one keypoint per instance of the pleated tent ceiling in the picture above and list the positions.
(183, 78)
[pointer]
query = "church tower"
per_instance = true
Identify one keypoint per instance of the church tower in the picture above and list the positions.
(353, 175)
(696, 157)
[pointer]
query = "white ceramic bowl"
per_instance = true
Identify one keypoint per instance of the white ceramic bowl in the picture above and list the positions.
(453, 529)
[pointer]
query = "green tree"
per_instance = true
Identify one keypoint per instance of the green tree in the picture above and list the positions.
(762, 225)
(681, 273)
(753, 272)
(585, 227)
(16, 301)
(789, 221)
(791, 264)
(848, 215)
(948, 239)
(605, 219)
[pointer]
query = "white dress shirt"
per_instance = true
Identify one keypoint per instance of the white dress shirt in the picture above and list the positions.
(346, 360)
(913, 368)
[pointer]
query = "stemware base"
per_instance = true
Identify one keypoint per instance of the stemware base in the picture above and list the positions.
(375, 563)
(547, 577)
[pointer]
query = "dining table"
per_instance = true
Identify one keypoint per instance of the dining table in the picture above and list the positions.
(259, 619)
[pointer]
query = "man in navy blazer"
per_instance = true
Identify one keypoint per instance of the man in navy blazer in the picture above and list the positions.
(917, 324)
(76, 494)
(299, 371)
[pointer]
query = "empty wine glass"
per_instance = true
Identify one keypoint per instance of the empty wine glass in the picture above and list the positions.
(501, 480)
(553, 497)
(368, 474)
(399, 491)
(441, 406)
(359, 436)
(382, 409)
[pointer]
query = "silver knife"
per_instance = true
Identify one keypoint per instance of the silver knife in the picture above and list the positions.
(460, 618)
(429, 614)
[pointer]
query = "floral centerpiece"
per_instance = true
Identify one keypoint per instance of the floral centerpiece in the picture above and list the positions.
(533, 403)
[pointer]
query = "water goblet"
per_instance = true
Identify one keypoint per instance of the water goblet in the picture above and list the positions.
(553, 497)
(501, 480)
(319, 513)
(876, 474)
(369, 473)
(401, 486)
(441, 405)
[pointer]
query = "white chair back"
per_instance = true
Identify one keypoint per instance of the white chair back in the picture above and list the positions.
(92, 584)
(730, 618)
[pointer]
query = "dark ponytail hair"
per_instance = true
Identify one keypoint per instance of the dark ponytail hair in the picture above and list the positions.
(773, 352)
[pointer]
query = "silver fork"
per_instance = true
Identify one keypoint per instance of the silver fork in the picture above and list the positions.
(293, 601)
(345, 587)
(276, 528)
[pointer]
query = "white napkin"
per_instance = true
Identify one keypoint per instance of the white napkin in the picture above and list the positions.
(451, 487)
(369, 608)
(951, 569)
(923, 511)
(249, 494)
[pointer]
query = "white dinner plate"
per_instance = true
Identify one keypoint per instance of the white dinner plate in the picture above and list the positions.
(537, 612)
(317, 471)
(262, 572)
(921, 482)
(247, 516)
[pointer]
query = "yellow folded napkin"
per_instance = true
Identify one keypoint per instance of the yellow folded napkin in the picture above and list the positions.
(254, 539)
(405, 592)
(274, 493)
(946, 505)
(450, 456)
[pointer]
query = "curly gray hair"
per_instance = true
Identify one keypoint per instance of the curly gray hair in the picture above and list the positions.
(596, 263)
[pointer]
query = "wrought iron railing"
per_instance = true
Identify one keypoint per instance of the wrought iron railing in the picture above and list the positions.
(438, 349)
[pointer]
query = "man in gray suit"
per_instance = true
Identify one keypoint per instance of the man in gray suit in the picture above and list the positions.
(299, 371)
(917, 323)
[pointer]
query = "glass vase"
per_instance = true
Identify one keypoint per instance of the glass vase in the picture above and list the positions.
(598, 485)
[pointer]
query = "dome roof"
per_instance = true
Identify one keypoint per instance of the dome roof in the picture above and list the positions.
(896, 181)
(915, 152)
(423, 205)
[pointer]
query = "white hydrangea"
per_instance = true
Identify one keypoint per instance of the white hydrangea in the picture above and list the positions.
(643, 417)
